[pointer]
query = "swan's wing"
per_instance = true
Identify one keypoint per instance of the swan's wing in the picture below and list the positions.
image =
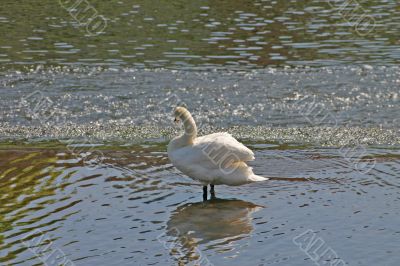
(223, 144)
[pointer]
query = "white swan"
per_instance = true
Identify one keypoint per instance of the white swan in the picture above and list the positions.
(212, 159)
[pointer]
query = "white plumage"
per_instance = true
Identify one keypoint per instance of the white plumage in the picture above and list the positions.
(212, 159)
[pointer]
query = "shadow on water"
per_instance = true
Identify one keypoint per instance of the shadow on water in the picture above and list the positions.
(216, 223)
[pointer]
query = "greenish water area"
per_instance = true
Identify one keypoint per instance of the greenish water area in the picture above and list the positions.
(87, 93)
(199, 34)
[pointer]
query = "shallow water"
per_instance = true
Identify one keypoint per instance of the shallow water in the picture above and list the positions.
(85, 119)
(133, 208)
(84, 171)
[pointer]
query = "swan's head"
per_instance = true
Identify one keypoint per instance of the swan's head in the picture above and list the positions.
(181, 114)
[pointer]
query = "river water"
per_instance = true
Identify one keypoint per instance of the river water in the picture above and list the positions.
(85, 119)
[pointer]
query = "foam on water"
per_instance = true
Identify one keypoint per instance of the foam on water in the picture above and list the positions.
(327, 105)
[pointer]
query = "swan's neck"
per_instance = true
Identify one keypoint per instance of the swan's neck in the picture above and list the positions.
(190, 129)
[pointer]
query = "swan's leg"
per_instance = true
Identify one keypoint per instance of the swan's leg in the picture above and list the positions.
(212, 191)
(204, 193)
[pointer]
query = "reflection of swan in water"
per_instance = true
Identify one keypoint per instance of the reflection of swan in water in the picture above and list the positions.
(219, 221)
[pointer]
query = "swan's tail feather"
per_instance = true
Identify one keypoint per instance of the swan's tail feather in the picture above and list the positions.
(257, 178)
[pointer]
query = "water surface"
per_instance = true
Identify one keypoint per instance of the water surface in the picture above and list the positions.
(133, 207)
(201, 34)
(85, 119)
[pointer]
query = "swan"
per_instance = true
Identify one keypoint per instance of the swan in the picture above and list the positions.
(213, 159)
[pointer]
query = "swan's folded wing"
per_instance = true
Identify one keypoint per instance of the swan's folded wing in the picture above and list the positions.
(223, 144)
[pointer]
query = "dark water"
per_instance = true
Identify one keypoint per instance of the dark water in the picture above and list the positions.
(199, 34)
(85, 117)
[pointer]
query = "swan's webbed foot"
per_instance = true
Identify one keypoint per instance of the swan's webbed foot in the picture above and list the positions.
(204, 193)
(212, 191)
